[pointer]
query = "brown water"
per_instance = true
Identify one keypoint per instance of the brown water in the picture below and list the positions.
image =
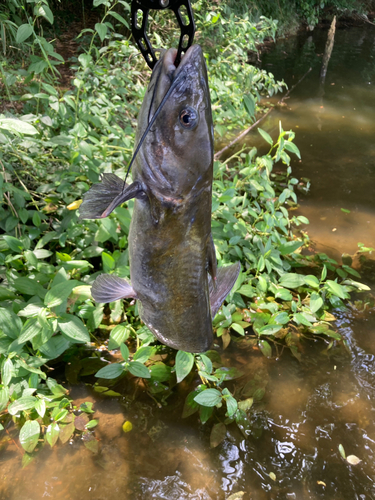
(309, 408)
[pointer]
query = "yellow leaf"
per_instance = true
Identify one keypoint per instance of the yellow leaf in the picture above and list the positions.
(73, 206)
(272, 476)
(353, 460)
(127, 426)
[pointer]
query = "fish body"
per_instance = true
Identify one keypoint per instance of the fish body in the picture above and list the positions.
(172, 256)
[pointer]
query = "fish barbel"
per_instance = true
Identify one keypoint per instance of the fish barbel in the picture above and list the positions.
(173, 266)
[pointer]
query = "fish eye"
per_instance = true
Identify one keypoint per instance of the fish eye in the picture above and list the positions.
(188, 118)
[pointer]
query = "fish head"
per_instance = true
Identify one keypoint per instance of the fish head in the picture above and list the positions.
(176, 157)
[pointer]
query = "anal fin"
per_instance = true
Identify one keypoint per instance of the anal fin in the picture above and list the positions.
(102, 198)
(226, 278)
(108, 288)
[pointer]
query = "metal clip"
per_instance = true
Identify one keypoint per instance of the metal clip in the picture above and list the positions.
(140, 32)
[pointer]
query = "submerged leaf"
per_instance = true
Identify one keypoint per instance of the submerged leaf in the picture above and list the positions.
(218, 434)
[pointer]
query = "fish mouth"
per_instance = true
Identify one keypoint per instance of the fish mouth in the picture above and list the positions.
(169, 58)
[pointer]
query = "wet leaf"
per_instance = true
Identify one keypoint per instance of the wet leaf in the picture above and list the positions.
(184, 365)
(246, 404)
(111, 371)
(243, 423)
(190, 405)
(21, 404)
(218, 434)
(81, 421)
(139, 370)
(40, 407)
(160, 372)
(143, 354)
(342, 451)
(316, 302)
(292, 280)
(353, 460)
(336, 289)
(205, 413)
(87, 407)
(229, 373)
(90, 442)
(4, 398)
(236, 496)
(66, 432)
(118, 335)
(265, 348)
(226, 339)
(29, 435)
(127, 426)
(52, 434)
(124, 351)
(27, 459)
(272, 476)
(231, 406)
(93, 423)
(208, 397)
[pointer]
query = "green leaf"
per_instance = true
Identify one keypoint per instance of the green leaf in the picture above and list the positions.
(10, 323)
(46, 12)
(249, 103)
(237, 328)
(139, 370)
(13, 243)
(21, 404)
(265, 348)
(119, 18)
(209, 397)
(269, 329)
(184, 365)
(118, 335)
(29, 330)
(336, 289)
(265, 136)
(66, 432)
(290, 247)
(4, 398)
(23, 32)
(40, 407)
(17, 127)
(52, 434)
(143, 354)
(312, 281)
(316, 302)
(290, 146)
(292, 280)
(28, 286)
(228, 373)
(231, 406)
(55, 346)
(160, 372)
(73, 328)
(101, 28)
(29, 435)
(218, 433)
(59, 293)
(124, 351)
(7, 371)
(190, 406)
(111, 371)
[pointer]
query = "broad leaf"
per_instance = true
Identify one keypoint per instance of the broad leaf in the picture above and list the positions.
(23, 32)
(29, 435)
(111, 371)
(184, 364)
(218, 434)
(139, 370)
(52, 434)
(73, 328)
(59, 293)
(209, 397)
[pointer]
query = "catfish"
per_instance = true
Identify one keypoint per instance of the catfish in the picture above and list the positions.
(173, 267)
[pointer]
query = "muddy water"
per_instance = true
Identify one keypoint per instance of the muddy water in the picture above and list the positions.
(309, 407)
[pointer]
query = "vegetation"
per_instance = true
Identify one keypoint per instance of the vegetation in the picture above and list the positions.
(54, 145)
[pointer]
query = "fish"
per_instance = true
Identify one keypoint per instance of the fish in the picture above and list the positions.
(173, 267)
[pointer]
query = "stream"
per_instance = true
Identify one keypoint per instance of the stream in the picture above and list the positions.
(310, 407)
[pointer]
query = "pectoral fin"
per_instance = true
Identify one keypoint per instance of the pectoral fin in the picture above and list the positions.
(226, 278)
(102, 198)
(108, 288)
(211, 259)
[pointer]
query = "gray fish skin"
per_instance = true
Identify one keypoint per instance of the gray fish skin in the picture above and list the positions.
(170, 244)
(172, 254)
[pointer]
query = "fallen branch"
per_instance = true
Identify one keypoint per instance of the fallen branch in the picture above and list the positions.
(245, 132)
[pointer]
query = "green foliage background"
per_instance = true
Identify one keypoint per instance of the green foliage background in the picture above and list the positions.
(55, 142)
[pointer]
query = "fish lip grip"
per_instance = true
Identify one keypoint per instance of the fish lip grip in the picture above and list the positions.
(187, 30)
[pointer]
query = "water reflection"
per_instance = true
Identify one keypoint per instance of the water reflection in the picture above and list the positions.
(309, 408)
